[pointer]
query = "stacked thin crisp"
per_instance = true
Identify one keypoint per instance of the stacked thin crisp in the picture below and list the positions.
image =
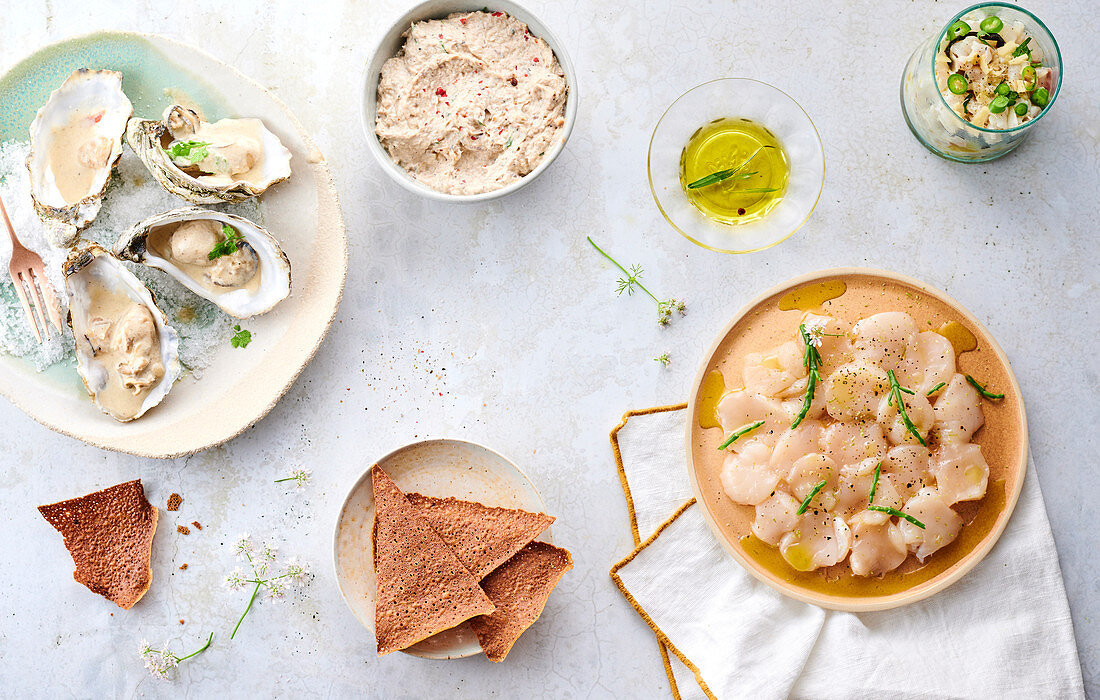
(440, 562)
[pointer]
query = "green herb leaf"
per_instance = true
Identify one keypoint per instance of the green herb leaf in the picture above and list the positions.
(874, 483)
(982, 390)
(721, 175)
(241, 338)
(190, 152)
(813, 492)
(811, 359)
(626, 284)
(1023, 48)
(663, 359)
(936, 388)
(897, 514)
(226, 246)
(738, 433)
(896, 390)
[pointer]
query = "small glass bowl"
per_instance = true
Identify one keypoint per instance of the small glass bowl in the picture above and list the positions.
(761, 103)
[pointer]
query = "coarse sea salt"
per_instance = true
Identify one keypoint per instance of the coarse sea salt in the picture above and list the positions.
(132, 196)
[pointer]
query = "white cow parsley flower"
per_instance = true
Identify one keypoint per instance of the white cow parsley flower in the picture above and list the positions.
(299, 476)
(162, 662)
(294, 575)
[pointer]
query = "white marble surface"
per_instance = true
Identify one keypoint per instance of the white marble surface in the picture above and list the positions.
(499, 324)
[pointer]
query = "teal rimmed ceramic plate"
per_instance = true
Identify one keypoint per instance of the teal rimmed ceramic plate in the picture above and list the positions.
(239, 386)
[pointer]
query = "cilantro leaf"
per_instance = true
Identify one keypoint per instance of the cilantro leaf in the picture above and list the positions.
(241, 338)
(189, 152)
(228, 245)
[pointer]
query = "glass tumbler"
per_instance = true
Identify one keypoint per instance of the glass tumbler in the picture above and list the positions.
(936, 125)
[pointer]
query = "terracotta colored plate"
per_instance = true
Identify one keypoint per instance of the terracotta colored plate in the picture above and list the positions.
(1003, 438)
(440, 468)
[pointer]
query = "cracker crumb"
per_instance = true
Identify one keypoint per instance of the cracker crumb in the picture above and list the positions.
(196, 524)
(181, 622)
(174, 501)
(182, 529)
(183, 567)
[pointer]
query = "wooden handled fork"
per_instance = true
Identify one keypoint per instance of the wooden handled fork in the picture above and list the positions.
(26, 268)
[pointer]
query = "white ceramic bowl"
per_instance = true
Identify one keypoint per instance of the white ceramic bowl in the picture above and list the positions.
(391, 43)
(442, 468)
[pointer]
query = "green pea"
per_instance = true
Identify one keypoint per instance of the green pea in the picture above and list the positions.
(958, 29)
(1040, 97)
(956, 83)
(1003, 89)
(999, 104)
(1021, 109)
(991, 24)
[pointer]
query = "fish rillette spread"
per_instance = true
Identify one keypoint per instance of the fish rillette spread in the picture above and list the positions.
(471, 103)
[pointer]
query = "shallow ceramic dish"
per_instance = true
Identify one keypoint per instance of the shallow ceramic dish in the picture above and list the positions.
(239, 387)
(439, 468)
(738, 98)
(391, 43)
(1003, 438)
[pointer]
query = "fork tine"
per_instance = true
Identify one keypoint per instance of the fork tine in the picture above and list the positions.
(26, 306)
(52, 305)
(36, 300)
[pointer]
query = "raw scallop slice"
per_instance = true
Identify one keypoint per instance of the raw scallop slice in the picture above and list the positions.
(855, 448)
(958, 412)
(932, 362)
(818, 540)
(919, 411)
(854, 493)
(808, 471)
(877, 547)
(740, 408)
(853, 391)
(961, 472)
(422, 588)
(748, 477)
(775, 517)
(797, 392)
(885, 339)
(796, 443)
(835, 349)
(908, 465)
(941, 524)
(769, 373)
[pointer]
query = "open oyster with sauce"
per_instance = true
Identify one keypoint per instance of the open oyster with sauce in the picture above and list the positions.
(126, 353)
(227, 259)
(76, 141)
(229, 160)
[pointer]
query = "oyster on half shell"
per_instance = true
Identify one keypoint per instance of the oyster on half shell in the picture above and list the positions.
(227, 161)
(126, 353)
(247, 278)
(76, 141)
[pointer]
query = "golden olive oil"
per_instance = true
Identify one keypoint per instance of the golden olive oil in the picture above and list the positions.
(728, 143)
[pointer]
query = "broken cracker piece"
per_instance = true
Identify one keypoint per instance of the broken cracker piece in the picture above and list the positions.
(519, 590)
(183, 530)
(174, 501)
(483, 537)
(422, 586)
(109, 534)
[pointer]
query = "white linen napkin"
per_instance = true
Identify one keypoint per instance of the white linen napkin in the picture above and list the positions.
(1003, 630)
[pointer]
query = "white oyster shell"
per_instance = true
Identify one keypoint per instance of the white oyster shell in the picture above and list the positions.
(239, 302)
(93, 265)
(149, 138)
(98, 95)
